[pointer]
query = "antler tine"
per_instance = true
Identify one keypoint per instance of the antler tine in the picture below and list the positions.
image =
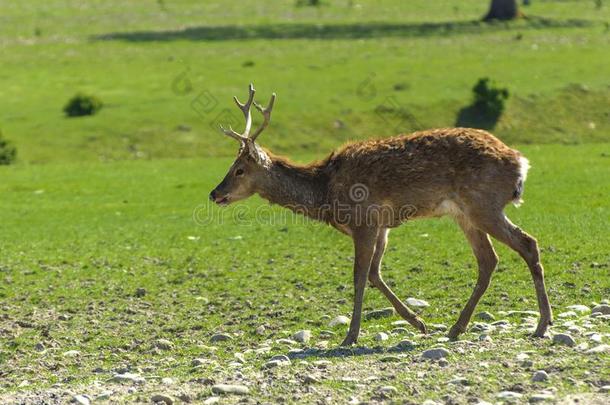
(245, 109)
(266, 115)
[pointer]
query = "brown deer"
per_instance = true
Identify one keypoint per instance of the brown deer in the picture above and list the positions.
(366, 188)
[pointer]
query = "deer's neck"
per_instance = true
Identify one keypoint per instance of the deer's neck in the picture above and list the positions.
(300, 188)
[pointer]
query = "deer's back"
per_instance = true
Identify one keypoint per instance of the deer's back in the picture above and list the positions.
(427, 168)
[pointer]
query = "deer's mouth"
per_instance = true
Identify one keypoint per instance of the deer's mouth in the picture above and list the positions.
(222, 201)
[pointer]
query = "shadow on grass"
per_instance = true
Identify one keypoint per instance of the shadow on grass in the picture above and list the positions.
(473, 117)
(336, 31)
(349, 351)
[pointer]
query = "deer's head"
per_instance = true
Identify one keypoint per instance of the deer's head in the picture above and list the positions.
(252, 163)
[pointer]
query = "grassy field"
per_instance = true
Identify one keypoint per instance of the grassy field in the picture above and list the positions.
(112, 261)
(80, 240)
(333, 67)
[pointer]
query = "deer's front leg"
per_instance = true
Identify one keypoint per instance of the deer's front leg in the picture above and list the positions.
(364, 247)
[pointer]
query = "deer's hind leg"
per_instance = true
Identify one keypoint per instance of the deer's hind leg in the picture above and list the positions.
(377, 281)
(487, 261)
(502, 229)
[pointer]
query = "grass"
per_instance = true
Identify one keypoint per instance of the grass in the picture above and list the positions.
(109, 244)
(333, 67)
(96, 233)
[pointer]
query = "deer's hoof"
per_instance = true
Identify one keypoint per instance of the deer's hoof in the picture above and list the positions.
(349, 340)
(421, 325)
(455, 331)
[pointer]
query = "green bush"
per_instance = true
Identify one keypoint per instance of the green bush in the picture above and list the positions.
(488, 98)
(81, 105)
(8, 153)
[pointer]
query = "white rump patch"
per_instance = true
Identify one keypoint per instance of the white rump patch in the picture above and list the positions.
(524, 166)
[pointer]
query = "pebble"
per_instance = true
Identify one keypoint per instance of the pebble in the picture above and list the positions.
(568, 314)
(443, 362)
(211, 400)
(486, 316)
(388, 389)
(438, 327)
(260, 330)
(140, 292)
(583, 309)
(230, 389)
(400, 322)
(71, 353)
(310, 379)
(509, 395)
(605, 388)
(198, 362)
(81, 399)
(381, 337)
(541, 398)
(280, 358)
(160, 398)
(596, 337)
(599, 349)
(603, 309)
(459, 381)
(339, 320)
(39, 347)
(167, 381)
(405, 345)
(435, 354)
(379, 313)
(164, 344)
(540, 376)
(129, 377)
(220, 337)
(564, 339)
(302, 336)
(414, 302)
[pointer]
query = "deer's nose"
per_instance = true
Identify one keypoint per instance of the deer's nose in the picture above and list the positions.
(213, 195)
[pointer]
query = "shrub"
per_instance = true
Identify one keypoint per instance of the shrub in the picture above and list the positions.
(8, 153)
(82, 104)
(488, 98)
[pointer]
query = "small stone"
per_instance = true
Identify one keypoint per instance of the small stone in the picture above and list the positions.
(603, 309)
(443, 362)
(281, 358)
(39, 347)
(379, 313)
(230, 389)
(220, 337)
(400, 322)
(414, 302)
(104, 395)
(540, 376)
(129, 378)
(596, 337)
(435, 354)
(81, 399)
(71, 353)
(211, 400)
(541, 398)
(198, 362)
(339, 320)
(486, 316)
(438, 327)
(459, 381)
(310, 379)
(389, 359)
(509, 395)
(605, 388)
(160, 398)
(164, 344)
(388, 390)
(568, 314)
(302, 336)
(583, 309)
(485, 338)
(599, 349)
(140, 292)
(260, 330)
(381, 337)
(564, 339)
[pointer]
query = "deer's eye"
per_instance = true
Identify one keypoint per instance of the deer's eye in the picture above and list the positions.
(239, 172)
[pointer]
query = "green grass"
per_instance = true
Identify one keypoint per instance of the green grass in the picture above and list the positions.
(90, 213)
(79, 240)
(332, 68)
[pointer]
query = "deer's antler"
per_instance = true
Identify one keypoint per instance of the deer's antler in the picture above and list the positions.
(245, 109)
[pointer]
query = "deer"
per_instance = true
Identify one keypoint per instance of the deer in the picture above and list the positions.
(362, 189)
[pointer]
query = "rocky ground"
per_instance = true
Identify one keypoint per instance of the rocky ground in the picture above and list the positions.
(496, 361)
